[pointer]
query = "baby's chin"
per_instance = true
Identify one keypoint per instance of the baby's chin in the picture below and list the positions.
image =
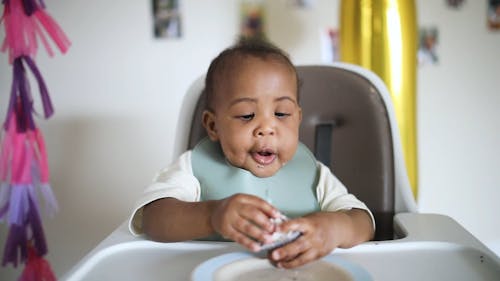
(265, 171)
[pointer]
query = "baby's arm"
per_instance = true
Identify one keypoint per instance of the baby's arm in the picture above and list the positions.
(241, 218)
(322, 232)
(170, 219)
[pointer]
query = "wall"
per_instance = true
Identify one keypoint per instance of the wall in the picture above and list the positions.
(118, 90)
(459, 121)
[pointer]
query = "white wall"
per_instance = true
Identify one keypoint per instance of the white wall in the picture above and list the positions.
(118, 90)
(459, 120)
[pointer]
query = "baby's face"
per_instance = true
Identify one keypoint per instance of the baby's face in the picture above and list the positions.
(256, 116)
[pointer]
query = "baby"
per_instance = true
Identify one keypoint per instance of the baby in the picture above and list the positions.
(252, 168)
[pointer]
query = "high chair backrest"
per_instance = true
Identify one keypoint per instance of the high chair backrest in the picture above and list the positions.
(349, 124)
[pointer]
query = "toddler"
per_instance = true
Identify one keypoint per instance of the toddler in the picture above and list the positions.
(252, 170)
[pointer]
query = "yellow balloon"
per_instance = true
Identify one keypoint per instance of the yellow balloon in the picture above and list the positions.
(381, 35)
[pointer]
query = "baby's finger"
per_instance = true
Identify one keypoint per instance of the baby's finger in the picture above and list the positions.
(260, 219)
(298, 260)
(291, 250)
(245, 241)
(252, 230)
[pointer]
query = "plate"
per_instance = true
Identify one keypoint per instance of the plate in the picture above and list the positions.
(242, 266)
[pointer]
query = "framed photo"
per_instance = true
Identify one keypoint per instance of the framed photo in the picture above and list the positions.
(428, 43)
(303, 4)
(167, 19)
(494, 14)
(455, 4)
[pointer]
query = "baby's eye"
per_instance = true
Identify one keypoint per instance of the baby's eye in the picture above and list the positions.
(281, 114)
(246, 117)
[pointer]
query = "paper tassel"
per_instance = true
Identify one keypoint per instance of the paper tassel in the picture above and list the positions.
(23, 161)
(28, 222)
(37, 268)
(23, 158)
(21, 93)
(23, 212)
(40, 174)
(27, 166)
(25, 22)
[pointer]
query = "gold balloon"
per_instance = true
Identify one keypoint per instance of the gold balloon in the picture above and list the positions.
(381, 35)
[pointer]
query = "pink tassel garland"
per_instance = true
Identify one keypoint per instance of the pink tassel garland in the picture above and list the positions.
(23, 158)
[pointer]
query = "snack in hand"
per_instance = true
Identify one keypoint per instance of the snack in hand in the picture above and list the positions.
(280, 238)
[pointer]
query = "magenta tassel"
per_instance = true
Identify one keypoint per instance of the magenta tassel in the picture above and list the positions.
(25, 22)
(54, 30)
(37, 268)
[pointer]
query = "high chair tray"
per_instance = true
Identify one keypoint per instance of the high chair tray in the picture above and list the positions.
(435, 247)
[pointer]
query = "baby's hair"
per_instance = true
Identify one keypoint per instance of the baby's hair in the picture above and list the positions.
(244, 48)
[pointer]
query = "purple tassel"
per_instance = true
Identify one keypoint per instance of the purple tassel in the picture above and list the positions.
(17, 236)
(23, 215)
(44, 92)
(12, 103)
(20, 92)
(18, 204)
(37, 230)
(30, 6)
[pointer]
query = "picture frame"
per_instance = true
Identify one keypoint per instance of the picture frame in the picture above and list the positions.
(167, 19)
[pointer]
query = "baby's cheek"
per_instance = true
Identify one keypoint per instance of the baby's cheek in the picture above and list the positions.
(286, 158)
(231, 153)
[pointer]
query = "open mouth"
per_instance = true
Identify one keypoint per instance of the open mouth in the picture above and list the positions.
(264, 157)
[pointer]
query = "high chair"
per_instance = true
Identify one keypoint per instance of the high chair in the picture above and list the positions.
(349, 124)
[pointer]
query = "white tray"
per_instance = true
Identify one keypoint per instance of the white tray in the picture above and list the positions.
(435, 248)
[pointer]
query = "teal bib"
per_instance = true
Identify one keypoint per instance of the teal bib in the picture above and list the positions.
(292, 189)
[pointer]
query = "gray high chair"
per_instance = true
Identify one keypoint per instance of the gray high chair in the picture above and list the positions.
(349, 124)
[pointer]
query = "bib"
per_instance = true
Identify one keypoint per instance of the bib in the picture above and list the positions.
(292, 190)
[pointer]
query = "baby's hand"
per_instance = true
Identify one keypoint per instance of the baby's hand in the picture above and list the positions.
(244, 219)
(315, 242)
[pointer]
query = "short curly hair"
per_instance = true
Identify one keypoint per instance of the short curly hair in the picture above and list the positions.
(230, 56)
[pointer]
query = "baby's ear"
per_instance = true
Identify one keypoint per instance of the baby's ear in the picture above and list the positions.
(208, 119)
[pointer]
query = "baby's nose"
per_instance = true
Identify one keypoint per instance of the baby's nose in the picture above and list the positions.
(265, 132)
(265, 129)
